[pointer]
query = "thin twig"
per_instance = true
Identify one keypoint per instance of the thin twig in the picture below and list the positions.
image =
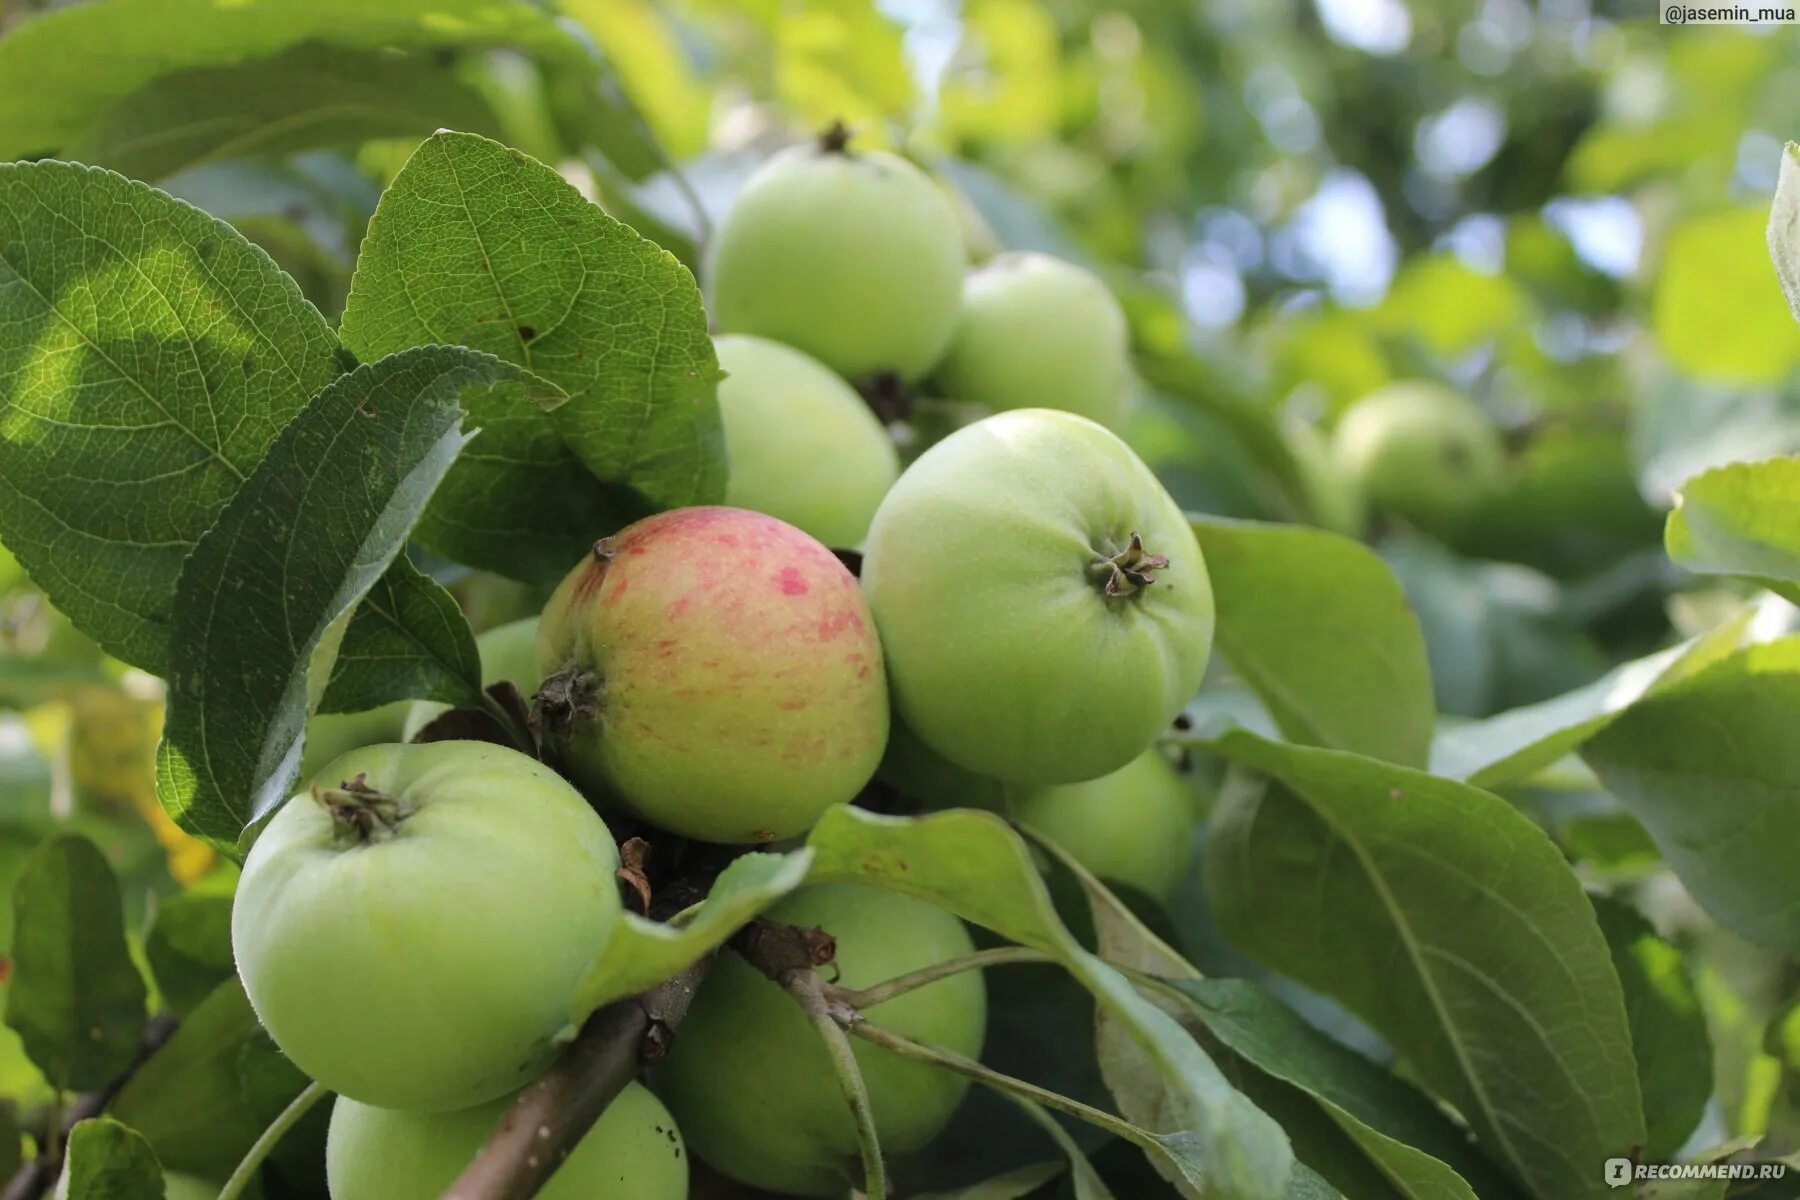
(265, 1144)
(806, 987)
(37, 1176)
(1011, 1085)
(552, 1115)
(886, 990)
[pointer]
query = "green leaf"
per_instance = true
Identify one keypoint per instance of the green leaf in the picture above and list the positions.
(549, 281)
(1407, 1137)
(1318, 625)
(151, 357)
(1450, 306)
(1520, 742)
(1145, 1094)
(1716, 313)
(109, 1161)
(1084, 1181)
(1784, 228)
(973, 864)
(1384, 1120)
(407, 640)
(187, 1098)
(1668, 1029)
(518, 502)
(641, 954)
(64, 71)
(309, 533)
(1711, 769)
(1197, 383)
(1741, 519)
(74, 996)
(1451, 924)
(311, 95)
(188, 947)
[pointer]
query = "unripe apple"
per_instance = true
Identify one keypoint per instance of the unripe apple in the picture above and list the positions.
(751, 1082)
(1134, 826)
(914, 769)
(855, 257)
(508, 653)
(332, 735)
(802, 445)
(633, 1152)
(717, 672)
(1420, 450)
(1333, 495)
(412, 932)
(1039, 332)
(1043, 603)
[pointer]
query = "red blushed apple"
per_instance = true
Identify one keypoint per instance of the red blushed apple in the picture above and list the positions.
(717, 672)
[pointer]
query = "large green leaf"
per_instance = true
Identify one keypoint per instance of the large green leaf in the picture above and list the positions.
(66, 70)
(75, 996)
(187, 943)
(151, 355)
(1447, 920)
(188, 1098)
(1741, 519)
(547, 280)
(308, 534)
(311, 95)
(1512, 745)
(1319, 627)
(407, 640)
(1410, 1141)
(109, 1161)
(1373, 1116)
(973, 864)
(1668, 1030)
(641, 954)
(1711, 767)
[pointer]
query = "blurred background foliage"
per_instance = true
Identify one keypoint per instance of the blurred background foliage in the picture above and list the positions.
(1556, 207)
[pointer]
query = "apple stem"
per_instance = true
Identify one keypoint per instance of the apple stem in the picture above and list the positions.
(829, 1017)
(1132, 569)
(1010, 1086)
(361, 813)
(247, 1169)
(835, 138)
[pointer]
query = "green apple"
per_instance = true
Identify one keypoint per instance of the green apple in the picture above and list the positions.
(717, 672)
(1333, 495)
(914, 769)
(332, 735)
(508, 653)
(412, 932)
(1043, 604)
(634, 1152)
(1039, 332)
(1134, 826)
(1420, 450)
(801, 443)
(854, 257)
(751, 1083)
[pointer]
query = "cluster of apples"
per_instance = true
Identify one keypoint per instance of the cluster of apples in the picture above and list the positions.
(1032, 611)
